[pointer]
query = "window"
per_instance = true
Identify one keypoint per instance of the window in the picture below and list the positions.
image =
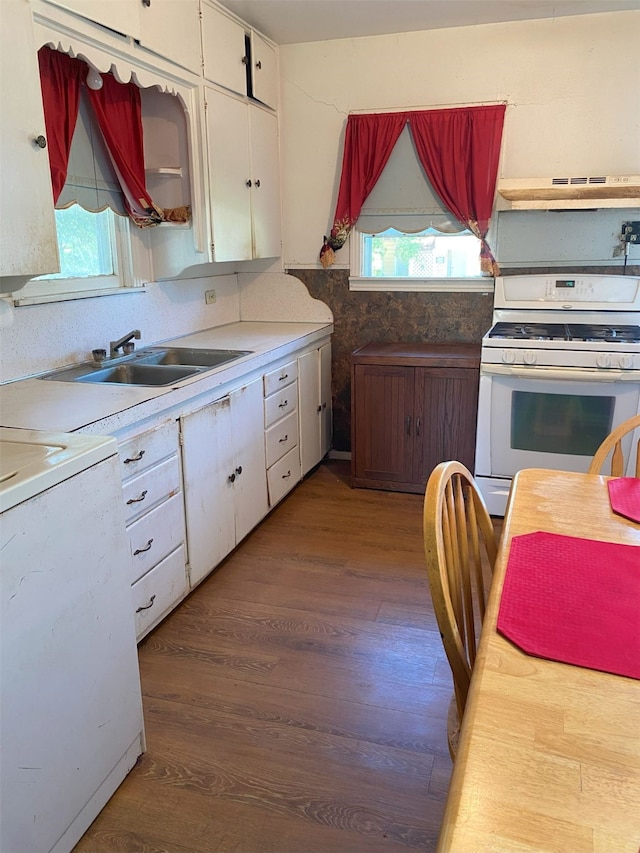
(406, 240)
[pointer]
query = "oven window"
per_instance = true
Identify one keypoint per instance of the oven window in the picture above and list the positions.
(560, 423)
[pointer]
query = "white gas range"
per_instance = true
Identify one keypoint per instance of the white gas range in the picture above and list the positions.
(560, 368)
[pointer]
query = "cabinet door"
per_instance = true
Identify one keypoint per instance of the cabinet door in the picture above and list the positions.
(171, 28)
(445, 427)
(326, 417)
(123, 16)
(382, 425)
(223, 50)
(28, 245)
(250, 486)
(207, 460)
(229, 176)
(265, 179)
(264, 71)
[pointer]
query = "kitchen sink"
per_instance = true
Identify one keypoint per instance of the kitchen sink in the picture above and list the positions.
(189, 356)
(139, 374)
(151, 366)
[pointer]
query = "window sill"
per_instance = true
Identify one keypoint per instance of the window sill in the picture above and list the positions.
(22, 301)
(429, 285)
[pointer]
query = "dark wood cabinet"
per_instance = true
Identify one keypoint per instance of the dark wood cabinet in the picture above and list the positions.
(412, 406)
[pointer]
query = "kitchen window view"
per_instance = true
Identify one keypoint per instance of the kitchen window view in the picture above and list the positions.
(426, 254)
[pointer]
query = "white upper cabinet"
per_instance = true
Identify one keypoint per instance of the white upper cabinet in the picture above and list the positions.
(237, 57)
(123, 16)
(244, 179)
(264, 71)
(224, 55)
(171, 28)
(28, 245)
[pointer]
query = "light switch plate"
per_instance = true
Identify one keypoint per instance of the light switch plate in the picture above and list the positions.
(210, 297)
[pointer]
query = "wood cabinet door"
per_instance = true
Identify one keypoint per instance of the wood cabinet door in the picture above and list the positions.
(28, 245)
(265, 180)
(383, 425)
(171, 28)
(249, 458)
(445, 418)
(207, 463)
(229, 176)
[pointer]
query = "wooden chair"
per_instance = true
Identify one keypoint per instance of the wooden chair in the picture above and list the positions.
(460, 549)
(614, 442)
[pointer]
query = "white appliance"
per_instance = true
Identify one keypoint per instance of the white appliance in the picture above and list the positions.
(569, 192)
(559, 369)
(71, 723)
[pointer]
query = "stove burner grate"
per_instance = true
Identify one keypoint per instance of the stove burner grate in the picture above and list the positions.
(589, 332)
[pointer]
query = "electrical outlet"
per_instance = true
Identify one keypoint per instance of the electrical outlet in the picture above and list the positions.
(210, 297)
(630, 232)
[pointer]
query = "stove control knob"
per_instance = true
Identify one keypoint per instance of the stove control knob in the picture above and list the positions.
(508, 356)
(529, 357)
(626, 361)
(603, 360)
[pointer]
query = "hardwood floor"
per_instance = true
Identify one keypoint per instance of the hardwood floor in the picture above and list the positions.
(296, 702)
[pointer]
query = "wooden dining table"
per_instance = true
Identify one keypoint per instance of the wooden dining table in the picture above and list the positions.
(549, 753)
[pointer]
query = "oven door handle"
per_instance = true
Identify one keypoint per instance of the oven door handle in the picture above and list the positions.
(577, 374)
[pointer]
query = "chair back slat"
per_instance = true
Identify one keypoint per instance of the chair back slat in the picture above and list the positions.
(460, 548)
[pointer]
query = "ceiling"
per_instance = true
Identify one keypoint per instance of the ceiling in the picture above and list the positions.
(296, 21)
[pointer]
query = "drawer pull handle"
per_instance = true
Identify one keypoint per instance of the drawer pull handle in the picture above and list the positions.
(135, 458)
(286, 438)
(147, 606)
(137, 500)
(283, 405)
(286, 476)
(418, 427)
(143, 550)
(283, 377)
(408, 425)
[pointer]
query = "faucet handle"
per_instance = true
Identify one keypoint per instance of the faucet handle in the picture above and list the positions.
(99, 354)
(128, 348)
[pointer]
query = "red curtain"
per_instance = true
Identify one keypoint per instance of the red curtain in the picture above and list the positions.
(60, 79)
(368, 143)
(117, 109)
(118, 112)
(459, 150)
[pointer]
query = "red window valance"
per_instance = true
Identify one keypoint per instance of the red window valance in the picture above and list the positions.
(459, 149)
(117, 109)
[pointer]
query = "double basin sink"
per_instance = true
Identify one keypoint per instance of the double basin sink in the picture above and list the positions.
(151, 366)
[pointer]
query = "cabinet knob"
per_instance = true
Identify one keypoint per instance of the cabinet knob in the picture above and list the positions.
(245, 60)
(239, 470)
(257, 182)
(146, 3)
(249, 184)
(40, 141)
(258, 64)
(232, 477)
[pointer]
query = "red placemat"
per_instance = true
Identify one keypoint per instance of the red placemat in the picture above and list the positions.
(624, 496)
(574, 600)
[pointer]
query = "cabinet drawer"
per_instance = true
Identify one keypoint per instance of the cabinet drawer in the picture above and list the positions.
(283, 476)
(159, 591)
(281, 438)
(155, 534)
(151, 487)
(145, 450)
(280, 378)
(278, 405)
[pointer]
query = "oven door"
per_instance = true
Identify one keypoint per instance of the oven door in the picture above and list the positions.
(549, 417)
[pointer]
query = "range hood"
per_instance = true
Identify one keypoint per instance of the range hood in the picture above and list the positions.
(569, 193)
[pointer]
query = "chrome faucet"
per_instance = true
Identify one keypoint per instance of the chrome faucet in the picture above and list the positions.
(114, 346)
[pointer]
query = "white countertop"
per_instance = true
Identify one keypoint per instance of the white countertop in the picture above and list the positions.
(35, 404)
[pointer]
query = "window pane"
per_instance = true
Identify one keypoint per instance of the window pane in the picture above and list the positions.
(85, 242)
(426, 254)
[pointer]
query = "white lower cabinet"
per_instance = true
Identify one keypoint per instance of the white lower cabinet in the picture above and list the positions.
(224, 475)
(281, 430)
(154, 514)
(314, 387)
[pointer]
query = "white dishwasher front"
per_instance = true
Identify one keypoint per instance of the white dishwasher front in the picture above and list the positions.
(71, 723)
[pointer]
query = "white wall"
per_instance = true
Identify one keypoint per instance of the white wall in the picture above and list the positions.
(570, 84)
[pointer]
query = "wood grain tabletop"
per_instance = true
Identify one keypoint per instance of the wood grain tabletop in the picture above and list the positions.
(549, 754)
